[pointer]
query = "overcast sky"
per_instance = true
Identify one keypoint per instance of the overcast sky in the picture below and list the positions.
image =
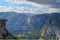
(30, 6)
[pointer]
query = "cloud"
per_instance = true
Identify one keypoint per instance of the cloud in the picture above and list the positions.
(6, 9)
(26, 10)
(18, 2)
(53, 10)
(18, 9)
(40, 4)
(52, 3)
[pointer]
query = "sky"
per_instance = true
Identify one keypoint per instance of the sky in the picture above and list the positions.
(30, 6)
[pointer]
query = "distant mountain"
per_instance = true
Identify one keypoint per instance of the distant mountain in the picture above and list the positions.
(6, 14)
(53, 25)
(38, 20)
(18, 22)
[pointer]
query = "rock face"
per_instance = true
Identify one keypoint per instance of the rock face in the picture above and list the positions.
(2, 27)
(3, 32)
(53, 28)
